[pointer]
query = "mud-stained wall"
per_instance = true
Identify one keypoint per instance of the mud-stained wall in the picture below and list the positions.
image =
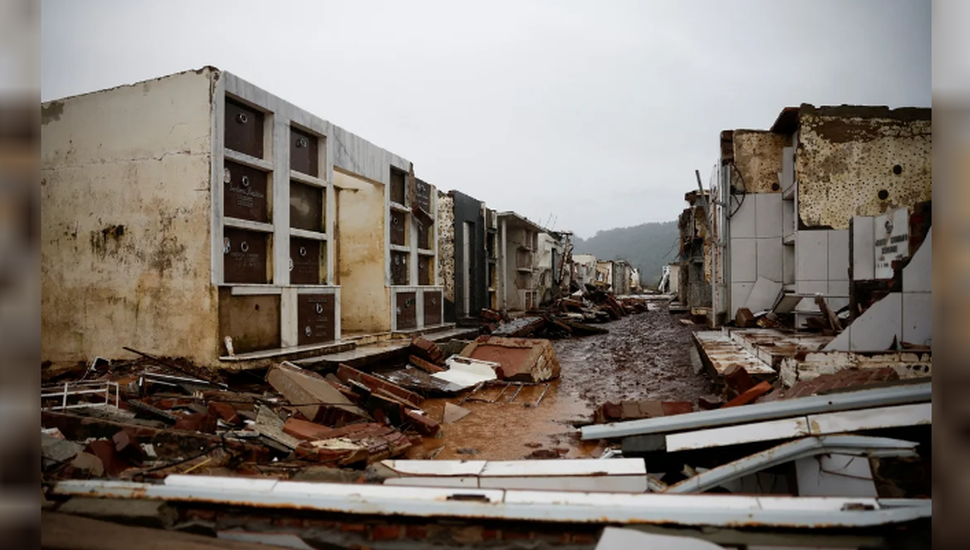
(364, 296)
(757, 156)
(446, 245)
(125, 193)
(860, 161)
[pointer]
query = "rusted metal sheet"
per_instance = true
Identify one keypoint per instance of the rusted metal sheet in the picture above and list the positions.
(594, 508)
(244, 129)
(306, 207)
(305, 259)
(398, 225)
(244, 256)
(253, 322)
(425, 270)
(304, 152)
(406, 310)
(398, 190)
(400, 268)
(432, 307)
(315, 315)
(244, 192)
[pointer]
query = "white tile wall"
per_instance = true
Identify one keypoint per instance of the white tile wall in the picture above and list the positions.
(810, 287)
(770, 259)
(838, 255)
(918, 273)
(917, 318)
(768, 215)
(744, 260)
(742, 224)
(788, 264)
(787, 217)
(811, 256)
(838, 288)
(739, 295)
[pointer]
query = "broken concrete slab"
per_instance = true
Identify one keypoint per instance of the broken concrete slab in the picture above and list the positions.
(87, 465)
(454, 413)
(908, 365)
(718, 351)
(56, 450)
(465, 373)
(313, 396)
(428, 349)
(521, 359)
(270, 426)
(140, 512)
(426, 366)
(346, 373)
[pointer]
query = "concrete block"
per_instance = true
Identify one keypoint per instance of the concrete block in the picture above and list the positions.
(863, 248)
(838, 249)
(144, 513)
(770, 259)
(876, 328)
(918, 273)
(744, 260)
(917, 318)
(739, 295)
(811, 256)
(743, 221)
(768, 215)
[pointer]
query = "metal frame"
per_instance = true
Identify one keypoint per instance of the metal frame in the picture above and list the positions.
(794, 450)
(551, 506)
(79, 388)
(861, 399)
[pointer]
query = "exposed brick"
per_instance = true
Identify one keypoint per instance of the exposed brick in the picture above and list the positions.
(224, 411)
(467, 535)
(201, 514)
(426, 366)
(197, 422)
(345, 373)
(319, 523)
(427, 348)
(385, 532)
(417, 532)
(749, 396)
(353, 528)
(423, 423)
(288, 522)
(113, 463)
(491, 534)
(306, 430)
(677, 407)
(584, 538)
(737, 380)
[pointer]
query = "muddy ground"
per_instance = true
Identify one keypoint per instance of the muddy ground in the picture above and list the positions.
(645, 356)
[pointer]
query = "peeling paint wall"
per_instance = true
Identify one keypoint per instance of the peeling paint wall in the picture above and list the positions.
(364, 297)
(860, 161)
(757, 156)
(125, 193)
(446, 244)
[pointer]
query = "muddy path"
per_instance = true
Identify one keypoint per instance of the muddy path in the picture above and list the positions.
(645, 356)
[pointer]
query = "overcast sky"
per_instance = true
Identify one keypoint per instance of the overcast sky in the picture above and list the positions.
(593, 113)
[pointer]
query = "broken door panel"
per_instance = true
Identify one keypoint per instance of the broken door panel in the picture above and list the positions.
(253, 322)
(315, 314)
(306, 207)
(304, 152)
(432, 307)
(244, 129)
(304, 261)
(406, 310)
(400, 270)
(245, 256)
(244, 194)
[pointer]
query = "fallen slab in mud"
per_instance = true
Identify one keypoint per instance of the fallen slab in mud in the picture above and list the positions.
(521, 359)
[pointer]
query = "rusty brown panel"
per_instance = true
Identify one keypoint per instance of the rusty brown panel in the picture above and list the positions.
(244, 129)
(432, 307)
(407, 310)
(316, 320)
(400, 270)
(304, 153)
(253, 322)
(425, 271)
(306, 207)
(424, 233)
(245, 192)
(305, 258)
(398, 226)
(398, 187)
(422, 195)
(244, 256)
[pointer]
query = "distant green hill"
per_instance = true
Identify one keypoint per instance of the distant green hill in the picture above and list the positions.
(648, 246)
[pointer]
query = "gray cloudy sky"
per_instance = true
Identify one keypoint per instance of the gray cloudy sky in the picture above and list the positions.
(596, 113)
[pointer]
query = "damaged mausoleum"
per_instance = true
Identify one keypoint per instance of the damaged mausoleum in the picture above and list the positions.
(261, 328)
